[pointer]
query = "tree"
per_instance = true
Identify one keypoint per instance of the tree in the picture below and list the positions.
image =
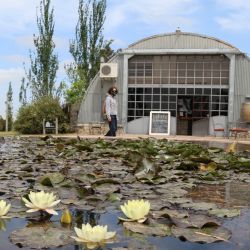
(88, 45)
(23, 92)
(9, 107)
(44, 63)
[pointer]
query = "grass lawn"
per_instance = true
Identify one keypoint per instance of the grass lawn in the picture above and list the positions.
(9, 133)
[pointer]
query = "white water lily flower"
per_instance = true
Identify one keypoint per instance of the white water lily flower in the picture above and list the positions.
(93, 236)
(136, 210)
(41, 201)
(4, 208)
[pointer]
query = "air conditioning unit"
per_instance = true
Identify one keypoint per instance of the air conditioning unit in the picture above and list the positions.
(108, 70)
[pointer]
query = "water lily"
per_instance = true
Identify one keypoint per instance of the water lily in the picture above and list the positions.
(93, 236)
(66, 217)
(4, 208)
(41, 201)
(135, 210)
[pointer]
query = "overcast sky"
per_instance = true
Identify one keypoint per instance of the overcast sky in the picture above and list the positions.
(127, 21)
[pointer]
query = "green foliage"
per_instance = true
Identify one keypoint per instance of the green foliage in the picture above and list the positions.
(44, 63)
(30, 117)
(2, 124)
(89, 44)
(75, 93)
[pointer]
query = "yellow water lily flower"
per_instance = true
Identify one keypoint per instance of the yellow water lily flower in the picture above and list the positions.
(4, 208)
(136, 210)
(41, 201)
(93, 236)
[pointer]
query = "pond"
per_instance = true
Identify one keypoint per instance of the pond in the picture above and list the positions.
(110, 173)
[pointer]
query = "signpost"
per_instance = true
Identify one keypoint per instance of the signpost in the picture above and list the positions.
(159, 123)
(51, 126)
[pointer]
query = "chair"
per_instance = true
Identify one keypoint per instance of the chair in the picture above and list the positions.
(219, 126)
(238, 127)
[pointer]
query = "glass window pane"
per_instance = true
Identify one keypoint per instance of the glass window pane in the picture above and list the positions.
(139, 91)
(190, 91)
(131, 98)
(156, 98)
(131, 105)
(148, 98)
(164, 90)
(181, 91)
(224, 91)
(164, 98)
(148, 80)
(164, 105)
(164, 80)
(173, 80)
(131, 90)
(172, 98)
(147, 105)
(156, 105)
(131, 80)
(207, 91)
(198, 80)
(173, 91)
(181, 73)
(216, 81)
(156, 90)
(165, 73)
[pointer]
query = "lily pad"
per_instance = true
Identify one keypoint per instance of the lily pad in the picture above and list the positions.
(52, 179)
(155, 229)
(195, 220)
(41, 237)
(223, 212)
(204, 235)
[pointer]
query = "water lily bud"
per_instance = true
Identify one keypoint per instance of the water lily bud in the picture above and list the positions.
(66, 216)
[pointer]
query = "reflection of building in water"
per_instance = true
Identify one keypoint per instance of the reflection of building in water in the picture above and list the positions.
(229, 195)
(84, 217)
(193, 76)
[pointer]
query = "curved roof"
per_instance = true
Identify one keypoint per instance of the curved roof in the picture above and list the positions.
(181, 40)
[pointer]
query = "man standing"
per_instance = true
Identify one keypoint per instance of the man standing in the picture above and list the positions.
(111, 111)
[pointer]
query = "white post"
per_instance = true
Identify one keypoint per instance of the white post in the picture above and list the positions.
(56, 126)
(44, 132)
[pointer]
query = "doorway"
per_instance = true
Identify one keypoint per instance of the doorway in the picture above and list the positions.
(192, 115)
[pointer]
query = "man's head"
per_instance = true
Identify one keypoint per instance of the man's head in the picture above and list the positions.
(113, 91)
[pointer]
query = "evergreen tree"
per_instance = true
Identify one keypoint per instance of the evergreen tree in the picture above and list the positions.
(87, 48)
(44, 63)
(9, 107)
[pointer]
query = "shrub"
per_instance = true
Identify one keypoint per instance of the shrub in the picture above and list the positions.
(2, 124)
(30, 117)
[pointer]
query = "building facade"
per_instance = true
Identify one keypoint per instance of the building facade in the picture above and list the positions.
(199, 79)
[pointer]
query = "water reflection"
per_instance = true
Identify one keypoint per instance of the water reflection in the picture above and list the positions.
(126, 239)
(240, 147)
(232, 194)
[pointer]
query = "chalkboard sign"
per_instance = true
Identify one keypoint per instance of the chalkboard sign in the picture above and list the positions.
(159, 123)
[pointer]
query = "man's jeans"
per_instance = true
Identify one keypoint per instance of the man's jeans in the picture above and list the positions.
(112, 126)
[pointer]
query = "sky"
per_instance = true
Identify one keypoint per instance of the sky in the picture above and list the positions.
(127, 21)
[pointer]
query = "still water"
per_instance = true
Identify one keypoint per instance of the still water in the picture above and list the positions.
(240, 227)
(229, 195)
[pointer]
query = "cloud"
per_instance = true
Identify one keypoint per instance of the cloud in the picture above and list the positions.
(237, 15)
(13, 75)
(14, 59)
(164, 13)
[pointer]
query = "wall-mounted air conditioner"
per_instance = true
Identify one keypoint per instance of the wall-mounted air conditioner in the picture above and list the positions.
(108, 70)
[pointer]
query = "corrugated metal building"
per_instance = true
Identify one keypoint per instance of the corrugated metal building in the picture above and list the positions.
(201, 80)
